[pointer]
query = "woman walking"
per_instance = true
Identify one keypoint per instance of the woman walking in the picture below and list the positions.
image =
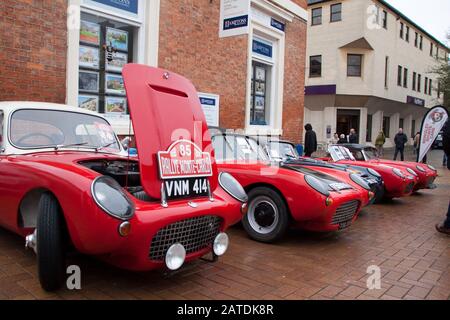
(379, 143)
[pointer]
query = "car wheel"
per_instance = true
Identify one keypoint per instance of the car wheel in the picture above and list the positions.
(50, 244)
(267, 218)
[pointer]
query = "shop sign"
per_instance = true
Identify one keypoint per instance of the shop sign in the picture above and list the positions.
(131, 6)
(262, 48)
(415, 101)
(277, 24)
(234, 17)
(210, 105)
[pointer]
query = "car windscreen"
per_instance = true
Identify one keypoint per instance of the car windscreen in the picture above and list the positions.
(238, 148)
(38, 128)
(281, 151)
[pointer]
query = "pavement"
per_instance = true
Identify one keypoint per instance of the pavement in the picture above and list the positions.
(396, 238)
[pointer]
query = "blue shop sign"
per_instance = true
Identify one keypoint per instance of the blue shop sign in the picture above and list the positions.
(207, 101)
(262, 48)
(235, 22)
(131, 6)
(277, 24)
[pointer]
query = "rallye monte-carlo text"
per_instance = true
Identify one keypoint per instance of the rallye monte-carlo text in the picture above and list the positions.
(67, 183)
(281, 196)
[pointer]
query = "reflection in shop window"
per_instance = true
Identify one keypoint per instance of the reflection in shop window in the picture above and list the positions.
(261, 74)
(105, 47)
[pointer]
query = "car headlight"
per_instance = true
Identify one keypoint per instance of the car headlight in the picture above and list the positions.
(232, 187)
(109, 196)
(374, 173)
(359, 181)
(412, 172)
(175, 257)
(398, 172)
(420, 168)
(432, 168)
(317, 185)
(221, 243)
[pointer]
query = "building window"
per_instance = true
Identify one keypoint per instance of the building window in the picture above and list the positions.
(421, 42)
(315, 66)
(387, 126)
(402, 29)
(416, 40)
(430, 87)
(385, 17)
(426, 85)
(413, 128)
(431, 49)
(405, 78)
(386, 72)
(407, 34)
(316, 16)
(399, 76)
(401, 123)
(354, 64)
(437, 52)
(439, 90)
(369, 128)
(336, 12)
(260, 88)
(414, 79)
(419, 83)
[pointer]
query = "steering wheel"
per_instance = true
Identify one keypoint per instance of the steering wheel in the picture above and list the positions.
(33, 135)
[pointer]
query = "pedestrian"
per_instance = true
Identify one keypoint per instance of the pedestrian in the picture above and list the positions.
(335, 139)
(379, 143)
(353, 137)
(416, 143)
(342, 139)
(310, 141)
(445, 227)
(400, 140)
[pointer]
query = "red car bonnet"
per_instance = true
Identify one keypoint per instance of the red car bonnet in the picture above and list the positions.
(164, 108)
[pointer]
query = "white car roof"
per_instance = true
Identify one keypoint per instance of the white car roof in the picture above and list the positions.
(10, 106)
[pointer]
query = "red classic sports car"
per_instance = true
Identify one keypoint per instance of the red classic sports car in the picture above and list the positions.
(427, 174)
(282, 195)
(398, 181)
(67, 183)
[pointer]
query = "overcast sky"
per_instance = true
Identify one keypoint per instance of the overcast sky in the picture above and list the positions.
(431, 15)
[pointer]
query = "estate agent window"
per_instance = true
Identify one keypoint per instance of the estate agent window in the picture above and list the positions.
(336, 12)
(354, 63)
(316, 16)
(315, 66)
(105, 47)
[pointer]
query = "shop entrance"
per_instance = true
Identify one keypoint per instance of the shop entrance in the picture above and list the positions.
(346, 120)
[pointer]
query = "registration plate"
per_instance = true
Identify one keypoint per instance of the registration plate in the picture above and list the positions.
(345, 225)
(186, 188)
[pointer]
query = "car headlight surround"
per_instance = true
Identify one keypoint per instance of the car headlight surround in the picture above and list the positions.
(412, 172)
(374, 173)
(431, 167)
(421, 169)
(398, 172)
(360, 181)
(317, 185)
(111, 198)
(232, 187)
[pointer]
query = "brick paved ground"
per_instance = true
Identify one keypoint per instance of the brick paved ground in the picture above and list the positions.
(399, 237)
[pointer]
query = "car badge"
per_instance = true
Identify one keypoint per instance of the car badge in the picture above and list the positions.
(166, 75)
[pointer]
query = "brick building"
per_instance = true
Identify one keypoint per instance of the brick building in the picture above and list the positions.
(253, 79)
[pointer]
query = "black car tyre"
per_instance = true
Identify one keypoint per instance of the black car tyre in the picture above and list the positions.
(267, 219)
(50, 244)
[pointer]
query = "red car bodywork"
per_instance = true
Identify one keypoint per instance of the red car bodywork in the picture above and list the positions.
(306, 206)
(160, 103)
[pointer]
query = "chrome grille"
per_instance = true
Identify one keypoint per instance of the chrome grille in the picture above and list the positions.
(194, 234)
(345, 212)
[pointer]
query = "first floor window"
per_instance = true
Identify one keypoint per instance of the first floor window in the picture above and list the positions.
(315, 66)
(414, 79)
(316, 16)
(336, 12)
(260, 89)
(426, 85)
(419, 83)
(402, 28)
(399, 75)
(405, 78)
(407, 34)
(354, 63)
(386, 72)
(387, 126)
(430, 87)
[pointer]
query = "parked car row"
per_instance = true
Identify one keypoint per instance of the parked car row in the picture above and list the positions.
(67, 183)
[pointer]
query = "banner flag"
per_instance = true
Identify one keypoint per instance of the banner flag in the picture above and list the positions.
(432, 124)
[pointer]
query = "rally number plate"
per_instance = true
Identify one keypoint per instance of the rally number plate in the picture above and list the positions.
(186, 188)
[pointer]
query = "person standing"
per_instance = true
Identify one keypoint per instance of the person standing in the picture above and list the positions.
(379, 143)
(342, 139)
(400, 140)
(353, 137)
(445, 227)
(310, 141)
(416, 143)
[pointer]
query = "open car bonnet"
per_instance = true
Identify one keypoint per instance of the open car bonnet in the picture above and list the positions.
(170, 128)
(339, 153)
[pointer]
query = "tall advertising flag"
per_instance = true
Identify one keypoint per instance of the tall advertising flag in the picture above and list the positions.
(432, 124)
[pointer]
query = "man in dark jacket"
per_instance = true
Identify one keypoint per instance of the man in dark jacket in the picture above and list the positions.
(445, 227)
(353, 137)
(400, 140)
(310, 141)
